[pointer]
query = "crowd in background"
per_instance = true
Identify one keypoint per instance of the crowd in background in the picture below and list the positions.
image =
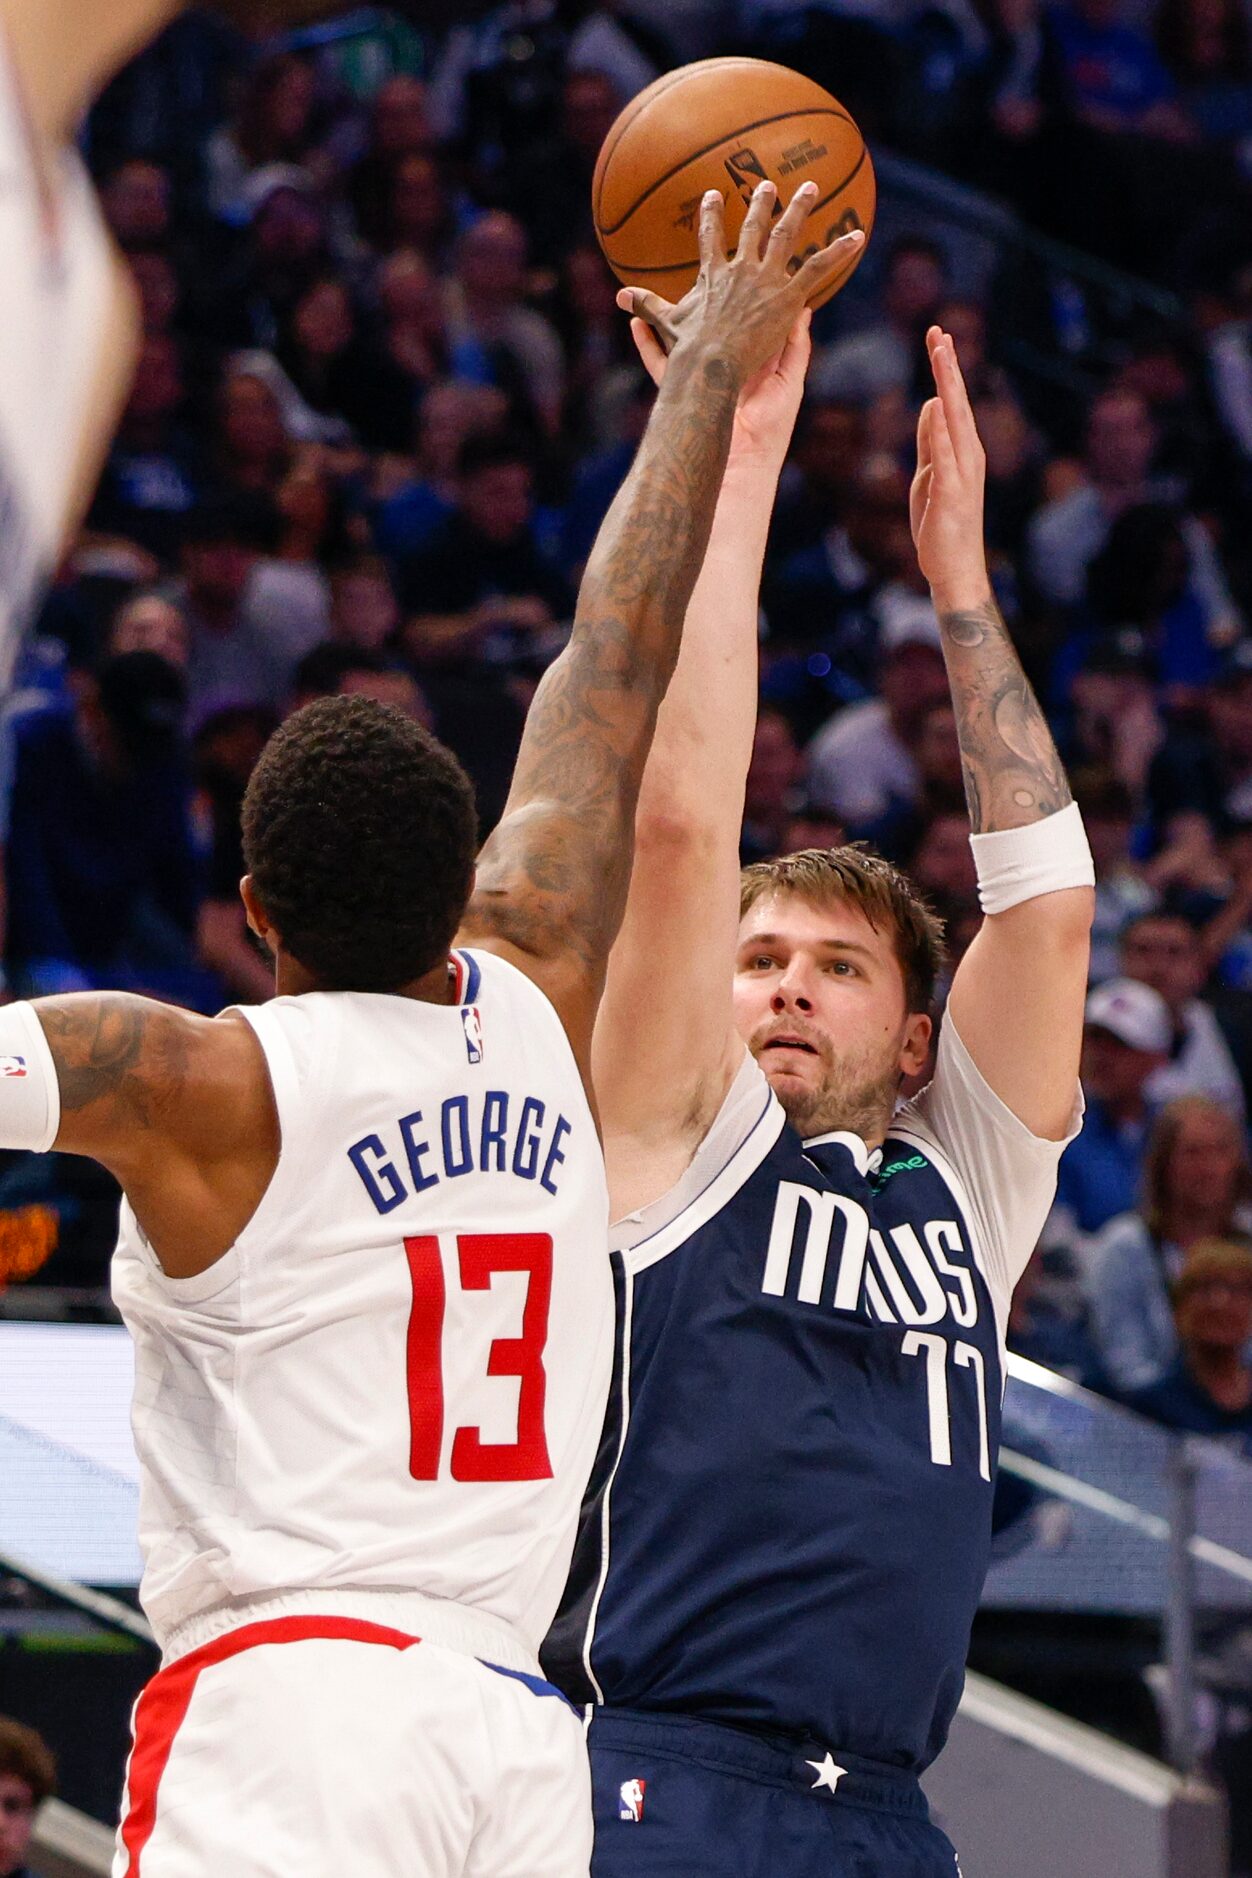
(384, 398)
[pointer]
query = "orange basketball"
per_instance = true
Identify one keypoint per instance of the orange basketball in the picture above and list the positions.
(724, 124)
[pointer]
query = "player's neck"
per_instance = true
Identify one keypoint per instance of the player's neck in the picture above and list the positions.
(437, 986)
(66, 51)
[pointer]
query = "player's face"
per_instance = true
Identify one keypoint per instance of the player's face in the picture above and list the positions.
(819, 1000)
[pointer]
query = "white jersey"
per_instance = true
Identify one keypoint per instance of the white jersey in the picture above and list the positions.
(395, 1379)
(56, 286)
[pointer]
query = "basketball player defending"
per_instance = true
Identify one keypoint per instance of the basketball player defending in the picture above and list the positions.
(788, 1522)
(363, 1249)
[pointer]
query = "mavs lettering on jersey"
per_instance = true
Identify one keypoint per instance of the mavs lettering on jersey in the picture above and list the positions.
(788, 1522)
(491, 1132)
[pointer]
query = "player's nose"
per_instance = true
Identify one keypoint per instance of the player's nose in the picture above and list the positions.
(791, 993)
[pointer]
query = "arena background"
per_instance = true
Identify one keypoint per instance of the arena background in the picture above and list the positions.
(382, 402)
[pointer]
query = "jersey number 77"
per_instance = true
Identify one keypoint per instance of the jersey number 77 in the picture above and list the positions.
(479, 1257)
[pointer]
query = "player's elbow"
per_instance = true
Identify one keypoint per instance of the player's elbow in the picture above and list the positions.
(1060, 921)
(673, 831)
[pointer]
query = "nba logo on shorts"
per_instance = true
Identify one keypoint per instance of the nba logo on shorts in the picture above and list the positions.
(630, 1800)
(12, 1065)
(473, 1033)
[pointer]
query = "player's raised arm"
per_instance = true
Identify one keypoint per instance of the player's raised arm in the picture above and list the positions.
(552, 879)
(666, 1047)
(1017, 998)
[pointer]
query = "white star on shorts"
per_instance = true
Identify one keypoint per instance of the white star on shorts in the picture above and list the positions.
(829, 1774)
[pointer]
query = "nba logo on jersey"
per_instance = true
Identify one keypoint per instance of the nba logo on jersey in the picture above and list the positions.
(12, 1065)
(630, 1800)
(473, 1033)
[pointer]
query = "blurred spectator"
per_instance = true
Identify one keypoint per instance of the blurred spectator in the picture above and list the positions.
(414, 338)
(1069, 531)
(418, 213)
(274, 125)
(1042, 1332)
(907, 822)
(137, 200)
(823, 469)
(1113, 77)
(1205, 765)
(152, 479)
(942, 863)
(451, 414)
(1122, 892)
(1125, 1040)
(863, 762)
(1197, 1184)
(1205, 46)
(497, 85)
(1223, 312)
(550, 192)
(227, 747)
(495, 338)
(1114, 718)
(340, 372)
(603, 368)
(28, 1777)
(364, 610)
(399, 128)
(482, 588)
(234, 657)
(887, 355)
(773, 791)
(1208, 1388)
(103, 887)
(253, 447)
(1164, 950)
(149, 623)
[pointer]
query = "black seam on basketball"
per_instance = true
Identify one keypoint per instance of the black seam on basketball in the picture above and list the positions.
(741, 130)
(681, 267)
(656, 89)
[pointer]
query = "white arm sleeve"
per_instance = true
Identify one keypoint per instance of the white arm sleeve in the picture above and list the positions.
(1008, 1175)
(30, 1096)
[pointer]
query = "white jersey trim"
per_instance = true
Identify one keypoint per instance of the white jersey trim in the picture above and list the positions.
(723, 1186)
(628, 1311)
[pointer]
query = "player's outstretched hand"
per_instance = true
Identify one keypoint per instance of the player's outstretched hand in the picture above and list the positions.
(946, 500)
(741, 310)
(769, 403)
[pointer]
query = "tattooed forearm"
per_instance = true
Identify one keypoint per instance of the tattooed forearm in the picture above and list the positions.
(122, 1052)
(558, 867)
(1012, 772)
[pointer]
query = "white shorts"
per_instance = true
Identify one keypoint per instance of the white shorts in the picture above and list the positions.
(322, 1746)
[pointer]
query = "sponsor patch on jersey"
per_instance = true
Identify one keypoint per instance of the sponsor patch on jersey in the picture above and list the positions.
(630, 1800)
(472, 1020)
(12, 1065)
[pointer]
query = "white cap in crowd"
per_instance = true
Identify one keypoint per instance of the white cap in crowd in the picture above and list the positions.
(1133, 1013)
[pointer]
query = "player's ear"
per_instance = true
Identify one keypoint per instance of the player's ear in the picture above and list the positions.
(258, 920)
(916, 1048)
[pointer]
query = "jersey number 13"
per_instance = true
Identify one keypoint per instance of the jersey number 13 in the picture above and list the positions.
(479, 1257)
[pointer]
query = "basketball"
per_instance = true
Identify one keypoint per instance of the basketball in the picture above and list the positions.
(724, 124)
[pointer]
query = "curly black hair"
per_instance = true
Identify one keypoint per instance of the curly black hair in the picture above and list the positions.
(359, 832)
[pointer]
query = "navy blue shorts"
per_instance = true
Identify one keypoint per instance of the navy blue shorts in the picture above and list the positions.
(676, 1798)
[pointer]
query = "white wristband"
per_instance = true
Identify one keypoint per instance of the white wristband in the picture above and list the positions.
(1016, 864)
(30, 1095)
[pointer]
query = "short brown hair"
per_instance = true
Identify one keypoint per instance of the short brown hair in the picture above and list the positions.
(855, 876)
(1214, 1258)
(26, 1756)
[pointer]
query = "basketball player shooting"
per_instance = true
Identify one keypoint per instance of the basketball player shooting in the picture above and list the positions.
(788, 1525)
(363, 1246)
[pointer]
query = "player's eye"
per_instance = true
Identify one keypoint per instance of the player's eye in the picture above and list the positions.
(842, 968)
(761, 962)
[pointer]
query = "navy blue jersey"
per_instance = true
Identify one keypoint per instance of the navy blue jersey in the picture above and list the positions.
(788, 1523)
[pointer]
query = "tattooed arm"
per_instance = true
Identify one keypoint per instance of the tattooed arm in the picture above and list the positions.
(179, 1108)
(1018, 995)
(552, 879)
